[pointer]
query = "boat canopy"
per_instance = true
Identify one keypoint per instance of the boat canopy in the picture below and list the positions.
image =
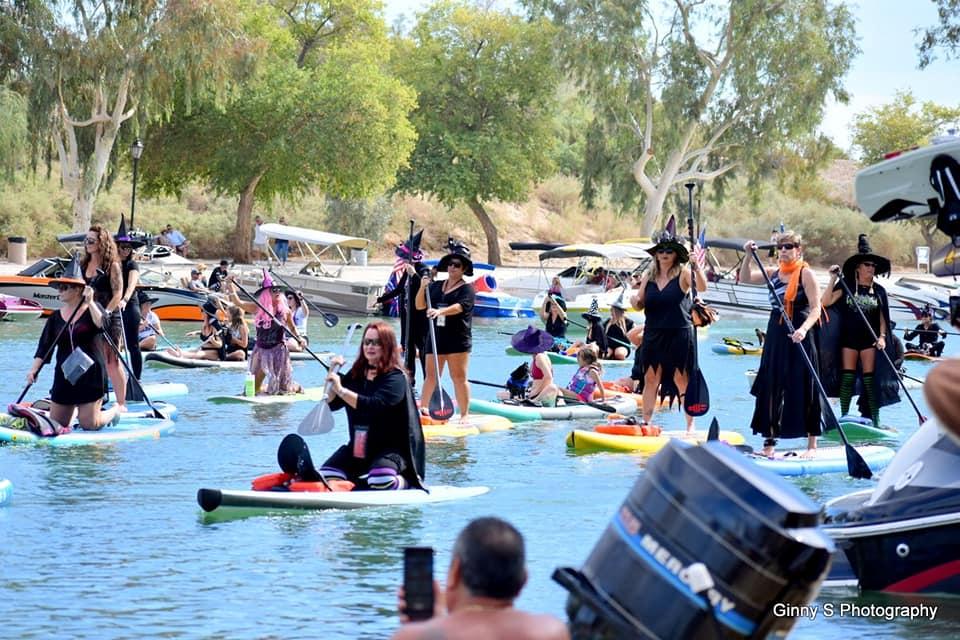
(636, 251)
(734, 243)
(323, 239)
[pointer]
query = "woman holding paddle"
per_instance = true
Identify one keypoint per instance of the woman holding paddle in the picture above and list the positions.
(74, 327)
(787, 404)
(668, 338)
(451, 311)
(386, 448)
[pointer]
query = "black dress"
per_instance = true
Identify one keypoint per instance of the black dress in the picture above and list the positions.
(872, 301)
(131, 319)
(418, 319)
(102, 294)
(668, 333)
(788, 403)
(394, 437)
(617, 337)
(455, 334)
(91, 385)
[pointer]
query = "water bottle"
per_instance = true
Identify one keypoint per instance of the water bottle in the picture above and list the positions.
(249, 386)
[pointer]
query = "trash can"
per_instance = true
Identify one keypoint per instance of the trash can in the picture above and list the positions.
(358, 257)
(17, 249)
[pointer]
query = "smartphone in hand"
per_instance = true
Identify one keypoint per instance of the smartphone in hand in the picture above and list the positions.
(418, 582)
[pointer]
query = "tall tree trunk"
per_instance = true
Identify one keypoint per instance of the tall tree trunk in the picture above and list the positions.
(243, 231)
(489, 230)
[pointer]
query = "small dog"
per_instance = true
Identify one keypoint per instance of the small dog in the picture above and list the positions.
(519, 382)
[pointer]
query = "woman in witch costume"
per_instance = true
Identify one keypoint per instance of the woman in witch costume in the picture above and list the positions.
(81, 393)
(270, 353)
(386, 449)
(668, 342)
(452, 311)
(856, 343)
(413, 269)
(617, 329)
(537, 342)
(788, 403)
(129, 302)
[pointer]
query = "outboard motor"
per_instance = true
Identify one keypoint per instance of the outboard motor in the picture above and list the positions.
(706, 545)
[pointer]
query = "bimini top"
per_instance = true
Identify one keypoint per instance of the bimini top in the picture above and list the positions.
(637, 251)
(311, 236)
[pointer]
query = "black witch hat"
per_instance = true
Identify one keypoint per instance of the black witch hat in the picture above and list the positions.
(667, 239)
(864, 254)
(409, 249)
(124, 237)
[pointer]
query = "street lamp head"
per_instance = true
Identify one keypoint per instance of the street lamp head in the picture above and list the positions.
(136, 149)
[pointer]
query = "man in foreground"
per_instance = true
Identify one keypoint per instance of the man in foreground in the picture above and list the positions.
(487, 572)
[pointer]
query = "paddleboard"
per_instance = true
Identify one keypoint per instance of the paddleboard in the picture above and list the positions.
(581, 440)
(920, 356)
(826, 460)
(163, 359)
(224, 499)
(738, 349)
(474, 424)
(6, 492)
(141, 410)
(623, 405)
(562, 358)
(157, 390)
(909, 383)
(314, 394)
(859, 429)
(140, 429)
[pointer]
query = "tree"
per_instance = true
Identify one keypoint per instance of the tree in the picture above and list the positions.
(13, 133)
(691, 90)
(946, 35)
(898, 125)
(486, 83)
(91, 65)
(318, 113)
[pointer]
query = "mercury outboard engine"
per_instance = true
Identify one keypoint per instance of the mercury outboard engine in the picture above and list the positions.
(706, 545)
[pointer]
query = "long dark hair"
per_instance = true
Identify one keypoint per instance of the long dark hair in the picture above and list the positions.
(108, 256)
(388, 344)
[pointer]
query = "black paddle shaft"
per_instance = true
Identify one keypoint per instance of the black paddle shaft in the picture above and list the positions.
(329, 319)
(281, 324)
(856, 465)
(441, 412)
(873, 334)
(696, 399)
(53, 345)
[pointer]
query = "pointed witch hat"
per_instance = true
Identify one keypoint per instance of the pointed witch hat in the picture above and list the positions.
(267, 283)
(864, 254)
(593, 314)
(668, 240)
(123, 237)
(409, 249)
(71, 275)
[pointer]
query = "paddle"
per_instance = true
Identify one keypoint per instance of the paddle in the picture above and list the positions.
(857, 467)
(408, 356)
(320, 418)
(281, 324)
(329, 319)
(53, 345)
(596, 405)
(713, 435)
(922, 418)
(696, 399)
(134, 391)
(441, 406)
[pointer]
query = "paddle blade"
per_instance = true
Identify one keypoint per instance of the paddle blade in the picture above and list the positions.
(696, 401)
(441, 406)
(713, 433)
(319, 420)
(857, 467)
(330, 319)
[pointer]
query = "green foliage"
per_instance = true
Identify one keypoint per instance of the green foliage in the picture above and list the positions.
(897, 125)
(13, 133)
(486, 84)
(367, 218)
(945, 35)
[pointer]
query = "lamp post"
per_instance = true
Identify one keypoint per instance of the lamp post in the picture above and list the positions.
(136, 150)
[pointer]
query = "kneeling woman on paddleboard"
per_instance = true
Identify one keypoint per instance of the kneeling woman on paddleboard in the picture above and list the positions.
(386, 449)
(78, 383)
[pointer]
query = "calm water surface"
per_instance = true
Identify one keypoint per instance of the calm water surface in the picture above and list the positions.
(108, 542)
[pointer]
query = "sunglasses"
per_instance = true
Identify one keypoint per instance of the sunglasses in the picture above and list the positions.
(458, 265)
(665, 251)
(371, 342)
(64, 287)
(787, 246)
(89, 241)
(869, 264)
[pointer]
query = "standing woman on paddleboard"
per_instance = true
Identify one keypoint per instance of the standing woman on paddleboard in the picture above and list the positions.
(668, 343)
(75, 390)
(270, 353)
(410, 258)
(129, 301)
(101, 270)
(856, 343)
(452, 312)
(788, 403)
(386, 448)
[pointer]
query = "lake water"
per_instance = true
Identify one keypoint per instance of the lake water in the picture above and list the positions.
(108, 541)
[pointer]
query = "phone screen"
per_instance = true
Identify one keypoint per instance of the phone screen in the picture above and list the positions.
(955, 311)
(418, 582)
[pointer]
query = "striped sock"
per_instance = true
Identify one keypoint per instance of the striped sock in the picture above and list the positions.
(868, 388)
(847, 378)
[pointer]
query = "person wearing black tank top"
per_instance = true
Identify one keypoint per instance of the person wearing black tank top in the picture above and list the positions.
(788, 402)
(668, 343)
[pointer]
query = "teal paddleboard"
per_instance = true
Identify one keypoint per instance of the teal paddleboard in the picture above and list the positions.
(825, 460)
(624, 405)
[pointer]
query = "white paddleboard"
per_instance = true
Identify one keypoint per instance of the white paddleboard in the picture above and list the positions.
(214, 499)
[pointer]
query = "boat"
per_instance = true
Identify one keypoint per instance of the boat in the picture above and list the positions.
(329, 290)
(903, 536)
(33, 284)
(14, 308)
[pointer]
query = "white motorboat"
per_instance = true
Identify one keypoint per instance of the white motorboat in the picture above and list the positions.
(325, 288)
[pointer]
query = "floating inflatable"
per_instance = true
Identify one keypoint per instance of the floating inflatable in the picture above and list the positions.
(732, 346)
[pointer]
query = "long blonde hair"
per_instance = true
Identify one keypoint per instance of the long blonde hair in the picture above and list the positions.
(654, 271)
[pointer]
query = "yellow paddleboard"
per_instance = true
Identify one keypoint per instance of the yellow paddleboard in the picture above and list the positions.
(476, 423)
(580, 440)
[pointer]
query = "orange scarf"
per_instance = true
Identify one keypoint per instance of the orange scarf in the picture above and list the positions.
(791, 270)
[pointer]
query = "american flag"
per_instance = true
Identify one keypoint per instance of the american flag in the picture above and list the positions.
(393, 305)
(700, 249)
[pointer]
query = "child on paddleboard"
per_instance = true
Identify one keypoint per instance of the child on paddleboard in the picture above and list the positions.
(587, 378)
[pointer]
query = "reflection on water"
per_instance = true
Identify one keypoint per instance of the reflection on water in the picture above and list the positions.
(109, 543)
